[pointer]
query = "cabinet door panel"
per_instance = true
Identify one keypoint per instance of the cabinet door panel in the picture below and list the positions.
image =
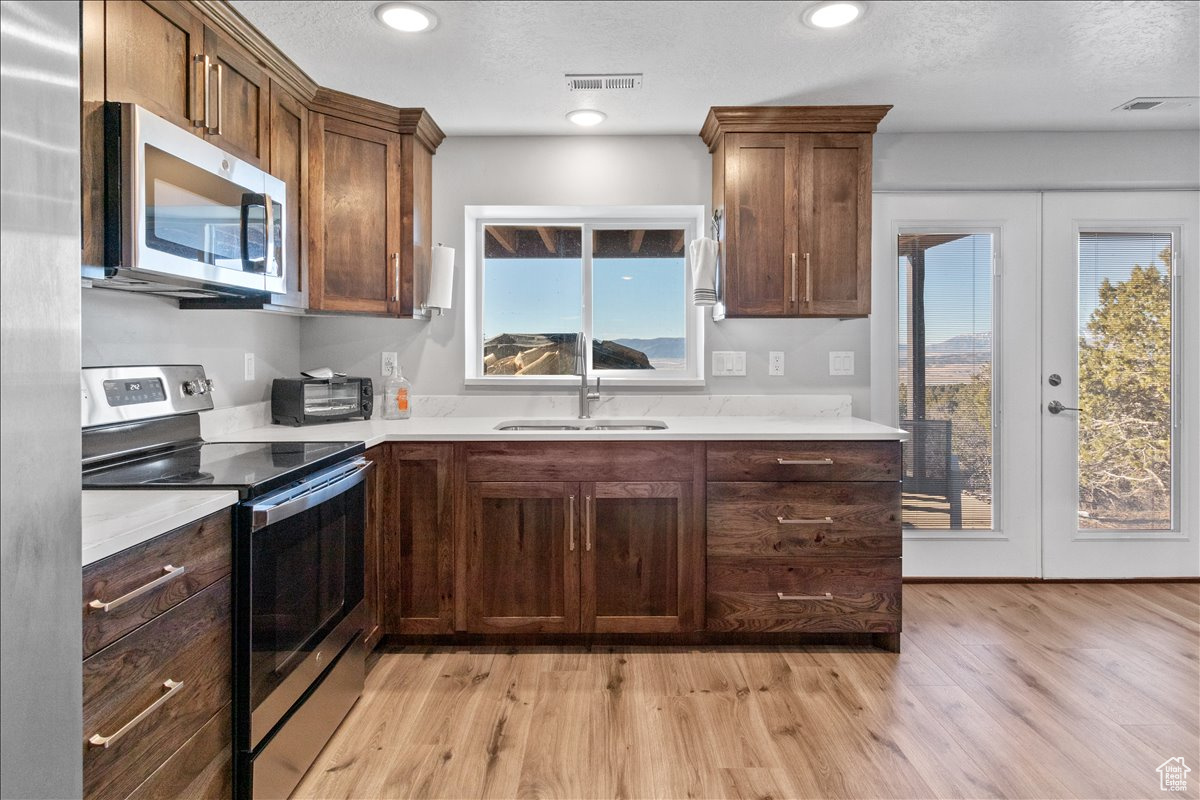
(837, 194)
(240, 102)
(417, 545)
(523, 564)
(761, 228)
(150, 51)
(351, 210)
(637, 540)
(288, 151)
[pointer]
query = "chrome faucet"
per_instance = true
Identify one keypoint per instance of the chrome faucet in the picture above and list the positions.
(586, 395)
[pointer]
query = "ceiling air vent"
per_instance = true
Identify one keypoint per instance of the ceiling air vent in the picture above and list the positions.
(596, 83)
(1157, 104)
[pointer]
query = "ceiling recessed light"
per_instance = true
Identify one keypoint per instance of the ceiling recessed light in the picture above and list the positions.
(834, 14)
(406, 17)
(587, 117)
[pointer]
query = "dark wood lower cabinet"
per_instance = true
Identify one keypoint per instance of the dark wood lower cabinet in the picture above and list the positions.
(523, 558)
(200, 770)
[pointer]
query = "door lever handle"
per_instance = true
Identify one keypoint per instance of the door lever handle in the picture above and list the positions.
(1056, 407)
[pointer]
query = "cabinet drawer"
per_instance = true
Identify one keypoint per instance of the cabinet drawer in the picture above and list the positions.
(834, 595)
(188, 645)
(200, 552)
(200, 770)
(804, 461)
(798, 519)
(575, 461)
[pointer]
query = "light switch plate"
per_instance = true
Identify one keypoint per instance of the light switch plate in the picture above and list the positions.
(249, 368)
(729, 363)
(841, 362)
(775, 363)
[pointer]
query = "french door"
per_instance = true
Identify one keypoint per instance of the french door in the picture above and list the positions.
(1118, 401)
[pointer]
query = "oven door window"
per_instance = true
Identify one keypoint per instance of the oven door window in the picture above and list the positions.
(201, 217)
(306, 576)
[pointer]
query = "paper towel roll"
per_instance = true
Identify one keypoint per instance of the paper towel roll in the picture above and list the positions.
(441, 278)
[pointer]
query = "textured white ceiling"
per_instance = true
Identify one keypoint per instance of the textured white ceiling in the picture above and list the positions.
(497, 67)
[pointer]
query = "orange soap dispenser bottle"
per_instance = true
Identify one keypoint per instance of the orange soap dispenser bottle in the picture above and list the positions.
(397, 397)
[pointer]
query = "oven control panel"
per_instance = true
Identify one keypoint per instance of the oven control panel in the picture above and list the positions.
(110, 395)
(129, 392)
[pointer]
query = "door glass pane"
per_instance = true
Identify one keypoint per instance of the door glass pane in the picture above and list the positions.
(1125, 478)
(945, 379)
(532, 299)
(639, 301)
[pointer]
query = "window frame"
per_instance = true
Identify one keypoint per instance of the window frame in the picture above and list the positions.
(588, 218)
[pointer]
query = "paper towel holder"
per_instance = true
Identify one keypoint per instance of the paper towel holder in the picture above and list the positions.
(439, 294)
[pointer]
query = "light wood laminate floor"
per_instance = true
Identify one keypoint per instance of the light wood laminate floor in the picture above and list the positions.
(1002, 690)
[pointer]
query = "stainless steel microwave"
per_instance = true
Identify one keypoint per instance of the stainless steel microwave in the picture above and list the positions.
(183, 215)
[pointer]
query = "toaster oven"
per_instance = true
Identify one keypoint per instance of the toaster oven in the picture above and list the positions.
(305, 401)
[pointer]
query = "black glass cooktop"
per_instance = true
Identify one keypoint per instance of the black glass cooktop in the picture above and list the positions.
(249, 467)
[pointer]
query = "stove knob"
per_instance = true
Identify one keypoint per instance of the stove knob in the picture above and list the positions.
(193, 388)
(208, 384)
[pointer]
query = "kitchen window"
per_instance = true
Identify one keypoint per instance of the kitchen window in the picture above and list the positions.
(541, 280)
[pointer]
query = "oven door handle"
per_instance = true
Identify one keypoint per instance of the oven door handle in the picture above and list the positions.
(320, 489)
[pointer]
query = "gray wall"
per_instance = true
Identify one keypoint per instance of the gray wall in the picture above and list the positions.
(579, 170)
(125, 328)
(40, 620)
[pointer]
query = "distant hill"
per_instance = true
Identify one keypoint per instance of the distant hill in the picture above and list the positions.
(665, 347)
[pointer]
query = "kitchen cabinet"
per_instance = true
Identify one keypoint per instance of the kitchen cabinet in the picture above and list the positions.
(369, 205)
(793, 184)
(288, 157)
(804, 537)
(523, 558)
(589, 538)
(416, 545)
(238, 91)
(157, 667)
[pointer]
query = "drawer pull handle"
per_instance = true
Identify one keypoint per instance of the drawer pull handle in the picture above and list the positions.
(171, 574)
(809, 461)
(826, 596)
(107, 741)
(821, 521)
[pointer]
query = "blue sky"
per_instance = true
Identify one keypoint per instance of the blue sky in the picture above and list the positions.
(958, 284)
(632, 298)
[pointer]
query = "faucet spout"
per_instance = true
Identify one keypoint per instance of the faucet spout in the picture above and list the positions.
(586, 395)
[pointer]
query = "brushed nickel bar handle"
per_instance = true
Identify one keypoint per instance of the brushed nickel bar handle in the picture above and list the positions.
(587, 522)
(395, 277)
(204, 60)
(826, 596)
(108, 741)
(811, 461)
(220, 99)
(793, 277)
(807, 279)
(571, 521)
(820, 521)
(171, 573)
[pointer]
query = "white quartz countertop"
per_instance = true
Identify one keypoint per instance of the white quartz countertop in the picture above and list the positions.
(114, 520)
(470, 429)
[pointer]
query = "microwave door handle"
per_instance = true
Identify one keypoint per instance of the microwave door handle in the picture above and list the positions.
(250, 200)
(267, 514)
(269, 233)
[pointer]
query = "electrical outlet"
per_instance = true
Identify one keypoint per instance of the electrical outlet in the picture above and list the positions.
(775, 363)
(841, 362)
(249, 371)
(729, 362)
(387, 365)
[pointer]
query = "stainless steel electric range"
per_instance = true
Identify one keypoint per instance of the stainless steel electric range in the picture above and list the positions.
(298, 612)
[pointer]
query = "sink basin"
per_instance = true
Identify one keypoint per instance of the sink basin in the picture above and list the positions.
(582, 425)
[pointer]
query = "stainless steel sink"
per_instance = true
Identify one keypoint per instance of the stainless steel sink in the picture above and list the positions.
(582, 425)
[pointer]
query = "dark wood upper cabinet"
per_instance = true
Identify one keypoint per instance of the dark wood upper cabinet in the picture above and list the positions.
(637, 570)
(794, 185)
(523, 546)
(369, 207)
(238, 94)
(288, 156)
(152, 56)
